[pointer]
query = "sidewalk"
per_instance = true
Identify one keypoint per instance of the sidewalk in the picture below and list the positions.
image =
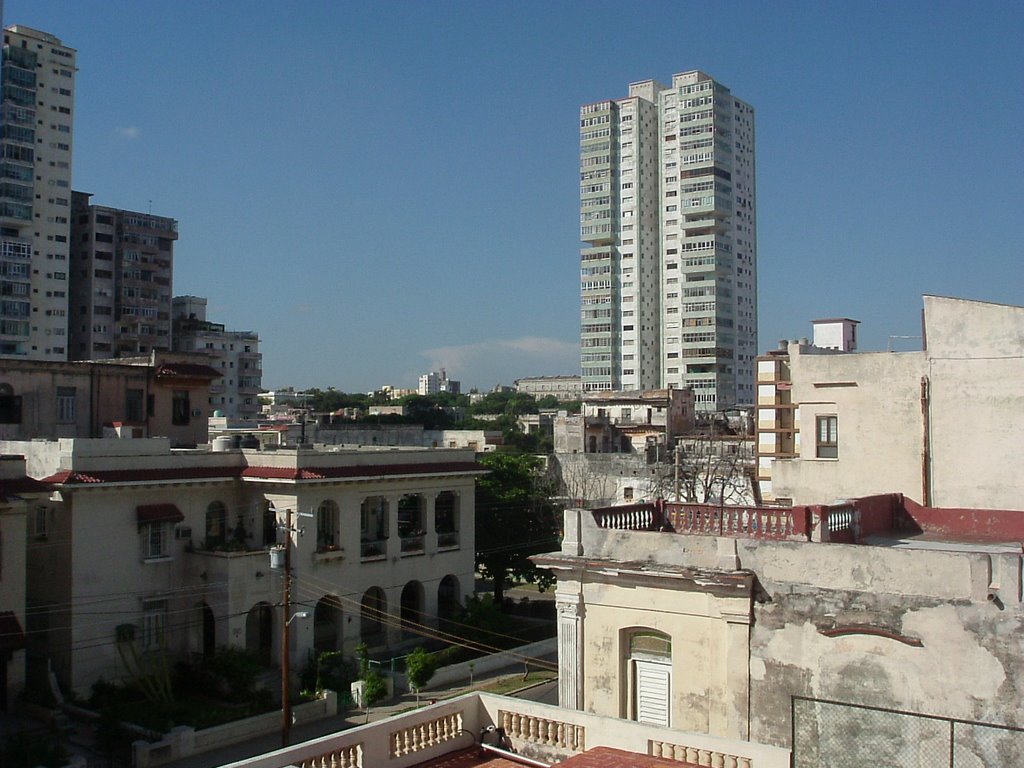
(350, 719)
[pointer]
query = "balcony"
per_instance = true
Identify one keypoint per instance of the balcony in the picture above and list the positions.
(373, 549)
(546, 733)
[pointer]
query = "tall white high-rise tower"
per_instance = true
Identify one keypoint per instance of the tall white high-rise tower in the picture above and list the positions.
(668, 216)
(38, 81)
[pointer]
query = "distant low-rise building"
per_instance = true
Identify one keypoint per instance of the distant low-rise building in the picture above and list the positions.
(434, 383)
(625, 422)
(158, 395)
(565, 388)
(236, 354)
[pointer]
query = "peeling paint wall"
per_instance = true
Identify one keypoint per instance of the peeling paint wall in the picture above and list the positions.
(925, 630)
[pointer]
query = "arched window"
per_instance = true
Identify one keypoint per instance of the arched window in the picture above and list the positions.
(650, 676)
(327, 526)
(216, 525)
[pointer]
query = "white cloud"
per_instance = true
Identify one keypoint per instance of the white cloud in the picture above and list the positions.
(485, 363)
(128, 132)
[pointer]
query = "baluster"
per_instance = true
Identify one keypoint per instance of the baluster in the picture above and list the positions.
(717, 760)
(745, 762)
(692, 755)
(731, 761)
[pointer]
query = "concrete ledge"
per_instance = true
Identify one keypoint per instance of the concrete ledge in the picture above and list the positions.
(184, 741)
(455, 673)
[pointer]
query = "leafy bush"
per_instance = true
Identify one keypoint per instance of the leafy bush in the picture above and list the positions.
(420, 667)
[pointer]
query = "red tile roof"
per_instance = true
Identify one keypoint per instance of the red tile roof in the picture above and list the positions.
(368, 470)
(68, 477)
(469, 758)
(171, 474)
(606, 757)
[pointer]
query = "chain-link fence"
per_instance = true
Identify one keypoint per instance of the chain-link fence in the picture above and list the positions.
(831, 734)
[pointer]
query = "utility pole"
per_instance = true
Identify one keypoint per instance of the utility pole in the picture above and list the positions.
(286, 701)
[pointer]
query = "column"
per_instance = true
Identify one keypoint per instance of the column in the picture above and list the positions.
(570, 608)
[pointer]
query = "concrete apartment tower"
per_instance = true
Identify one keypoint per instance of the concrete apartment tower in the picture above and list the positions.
(668, 216)
(121, 272)
(38, 82)
(236, 354)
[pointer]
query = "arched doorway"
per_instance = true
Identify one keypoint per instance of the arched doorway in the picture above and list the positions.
(372, 616)
(412, 609)
(209, 632)
(327, 624)
(449, 601)
(259, 631)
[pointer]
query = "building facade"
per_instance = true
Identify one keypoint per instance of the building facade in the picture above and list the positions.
(942, 425)
(38, 75)
(832, 631)
(564, 388)
(433, 383)
(236, 354)
(167, 551)
(668, 216)
(161, 395)
(122, 266)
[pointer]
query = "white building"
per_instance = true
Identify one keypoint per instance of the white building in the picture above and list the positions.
(236, 354)
(669, 217)
(434, 383)
(35, 196)
(167, 550)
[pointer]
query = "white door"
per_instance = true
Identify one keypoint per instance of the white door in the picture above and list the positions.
(653, 687)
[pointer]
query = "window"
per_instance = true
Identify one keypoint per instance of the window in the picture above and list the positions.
(154, 619)
(10, 405)
(216, 525)
(327, 526)
(650, 677)
(154, 541)
(65, 405)
(39, 523)
(133, 405)
(828, 437)
(180, 407)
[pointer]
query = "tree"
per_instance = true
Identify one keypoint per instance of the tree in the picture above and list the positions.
(419, 668)
(711, 470)
(515, 518)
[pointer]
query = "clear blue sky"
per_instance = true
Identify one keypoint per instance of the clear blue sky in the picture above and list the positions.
(383, 188)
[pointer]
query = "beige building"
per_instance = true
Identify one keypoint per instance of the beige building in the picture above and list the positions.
(166, 550)
(625, 422)
(799, 628)
(565, 388)
(943, 426)
(21, 499)
(159, 395)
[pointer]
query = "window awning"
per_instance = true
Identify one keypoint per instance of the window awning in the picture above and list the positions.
(12, 638)
(158, 513)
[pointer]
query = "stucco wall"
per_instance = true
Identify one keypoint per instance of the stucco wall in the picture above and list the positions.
(876, 398)
(937, 629)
